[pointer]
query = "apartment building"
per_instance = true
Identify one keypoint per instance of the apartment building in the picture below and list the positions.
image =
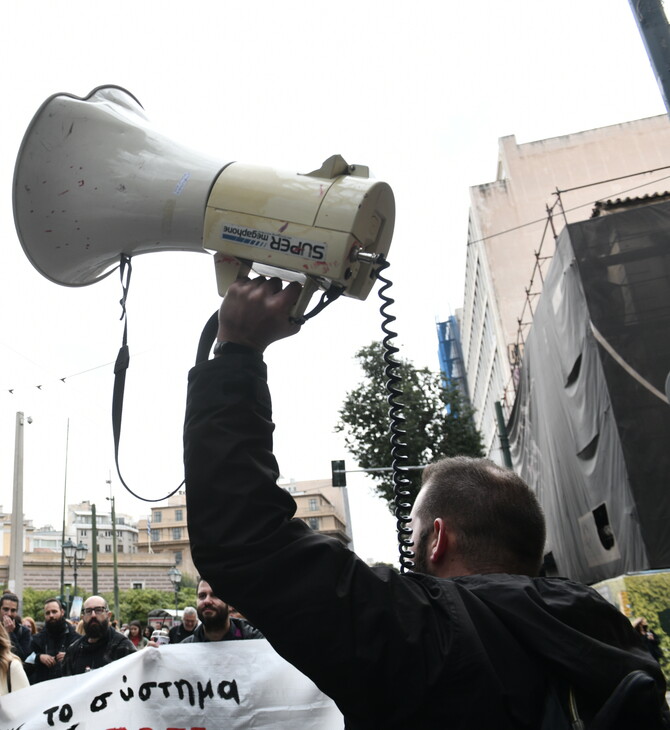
(321, 506)
(79, 527)
(511, 239)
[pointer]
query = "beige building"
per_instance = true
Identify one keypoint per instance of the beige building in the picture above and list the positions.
(510, 238)
(41, 571)
(5, 543)
(165, 532)
(319, 504)
(322, 507)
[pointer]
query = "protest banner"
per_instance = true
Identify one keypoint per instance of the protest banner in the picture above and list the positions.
(208, 686)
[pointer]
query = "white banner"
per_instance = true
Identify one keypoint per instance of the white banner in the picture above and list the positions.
(232, 684)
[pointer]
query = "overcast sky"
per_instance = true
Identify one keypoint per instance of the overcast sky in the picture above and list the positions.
(419, 92)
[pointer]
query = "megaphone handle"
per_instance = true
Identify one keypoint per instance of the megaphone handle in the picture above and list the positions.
(228, 269)
(308, 288)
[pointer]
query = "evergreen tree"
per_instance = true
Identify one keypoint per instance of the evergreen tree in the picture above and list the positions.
(438, 421)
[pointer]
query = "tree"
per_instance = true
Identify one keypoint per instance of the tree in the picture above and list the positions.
(438, 420)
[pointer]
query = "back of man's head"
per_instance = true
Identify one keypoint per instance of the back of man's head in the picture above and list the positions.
(497, 520)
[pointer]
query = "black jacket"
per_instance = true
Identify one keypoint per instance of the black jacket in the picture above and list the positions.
(239, 629)
(46, 642)
(20, 638)
(82, 656)
(393, 651)
(177, 634)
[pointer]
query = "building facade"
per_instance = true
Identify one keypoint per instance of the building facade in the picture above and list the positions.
(511, 239)
(80, 529)
(165, 532)
(319, 504)
(322, 507)
(41, 571)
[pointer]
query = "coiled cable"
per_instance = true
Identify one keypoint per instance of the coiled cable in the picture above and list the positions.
(401, 481)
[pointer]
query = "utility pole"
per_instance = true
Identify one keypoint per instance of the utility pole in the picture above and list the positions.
(653, 26)
(62, 551)
(116, 562)
(94, 549)
(15, 582)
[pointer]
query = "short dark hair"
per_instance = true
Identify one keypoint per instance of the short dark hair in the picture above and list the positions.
(55, 599)
(495, 515)
(7, 596)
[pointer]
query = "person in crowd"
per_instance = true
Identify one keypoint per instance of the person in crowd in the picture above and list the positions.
(135, 635)
(29, 623)
(471, 638)
(80, 628)
(50, 644)
(12, 674)
(649, 638)
(215, 621)
(147, 631)
(19, 635)
(100, 645)
(189, 620)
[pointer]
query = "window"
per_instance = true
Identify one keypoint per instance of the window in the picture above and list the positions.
(119, 548)
(178, 557)
(178, 515)
(158, 516)
(313, 522)
(155, 535)
(82, 533)
(176, 533)
(313, 504)
(138, 585)
(108, 548)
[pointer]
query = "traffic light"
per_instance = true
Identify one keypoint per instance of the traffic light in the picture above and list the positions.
(339, 475)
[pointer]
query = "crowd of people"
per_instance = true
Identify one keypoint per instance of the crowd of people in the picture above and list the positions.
(63, 647)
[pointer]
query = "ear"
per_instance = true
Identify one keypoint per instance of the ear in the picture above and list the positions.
(441, 541)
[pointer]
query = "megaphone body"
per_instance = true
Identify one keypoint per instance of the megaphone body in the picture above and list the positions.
(94, 181)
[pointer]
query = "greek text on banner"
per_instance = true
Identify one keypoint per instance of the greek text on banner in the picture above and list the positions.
(209, 686)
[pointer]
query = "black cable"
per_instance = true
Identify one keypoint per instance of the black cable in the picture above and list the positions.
(396, 422)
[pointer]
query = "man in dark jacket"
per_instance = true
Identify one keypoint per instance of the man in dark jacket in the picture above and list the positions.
(189, 621)
(50, 643)
(474, 640)
(18, 634)
(215, 621)
(100, 645)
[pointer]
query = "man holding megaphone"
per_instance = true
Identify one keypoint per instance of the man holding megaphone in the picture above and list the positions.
(471, 639)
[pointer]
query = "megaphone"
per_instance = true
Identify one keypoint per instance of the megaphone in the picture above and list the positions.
(94, 181)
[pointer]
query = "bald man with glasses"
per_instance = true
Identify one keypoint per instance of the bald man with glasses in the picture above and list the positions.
(100, 645)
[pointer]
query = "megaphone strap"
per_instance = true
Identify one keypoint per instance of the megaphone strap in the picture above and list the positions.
(120, 369)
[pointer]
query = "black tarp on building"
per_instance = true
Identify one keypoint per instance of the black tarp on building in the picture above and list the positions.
(590, 429)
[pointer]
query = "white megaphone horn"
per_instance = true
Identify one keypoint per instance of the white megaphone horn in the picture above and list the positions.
(94, 181)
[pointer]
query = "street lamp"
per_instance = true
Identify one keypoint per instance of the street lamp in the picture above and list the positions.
(75, 554)
(174, 575)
